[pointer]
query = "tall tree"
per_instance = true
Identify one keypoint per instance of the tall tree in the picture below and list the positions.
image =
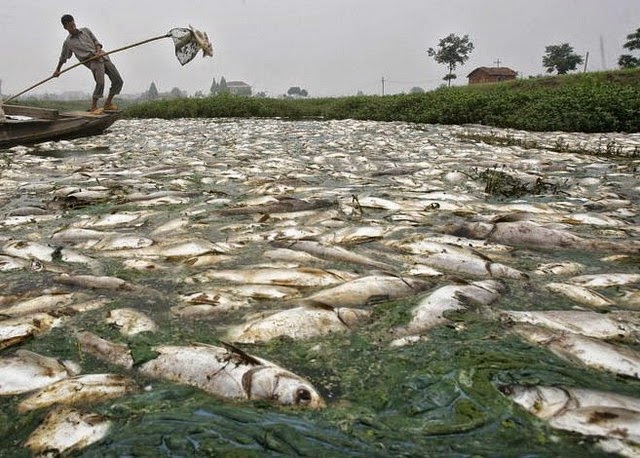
(152, 93)
(214, 87)
(560, 58)
(452, 50)
(222, 88)
(632, 44)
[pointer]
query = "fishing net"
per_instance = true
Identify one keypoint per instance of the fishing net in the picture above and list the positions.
(188, 42)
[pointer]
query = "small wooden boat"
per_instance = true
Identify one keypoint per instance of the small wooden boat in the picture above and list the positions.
(28, 125)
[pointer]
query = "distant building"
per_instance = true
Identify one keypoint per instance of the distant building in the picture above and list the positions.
(238, 88)
(491, 75)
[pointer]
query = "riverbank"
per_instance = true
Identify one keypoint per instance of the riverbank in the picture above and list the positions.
(590, 102)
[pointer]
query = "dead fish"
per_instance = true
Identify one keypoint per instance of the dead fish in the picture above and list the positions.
(232, 374)
(118, 219)
(209, 303)
(44, 303)
(8, 263)
(27, 211)
(630, 299)
(65, 430)
(278, 205)
(27, 371)
(16, 330)
(354, 235)
(172, 226)
(366, 290)
(334, 253)
(298, 323)
(182, 249)
(588, 412)
(586, 350)
(620, 325)
(456, 259)
(122, 242)
(559, 268)
(580, 294)
(380, 203)
(471, 264)
(96, 282)
(31, 250)
(131, 321)
(605, 280)
(203, 42)
(303, 277)
(79, 390)
(78, 234)
(531, 235)
(481, 246)
(144, 265)
(288, 255)
(429, 312)
(113, 353)
(205, 260)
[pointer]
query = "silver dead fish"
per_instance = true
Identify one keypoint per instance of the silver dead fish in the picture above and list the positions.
(298, 323)
(79, 390)
(27, 371)
(588, 412)
(430, 310)
(585, 350)
(65, 430)
(232, 374)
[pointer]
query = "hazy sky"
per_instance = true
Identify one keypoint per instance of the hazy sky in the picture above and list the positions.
(328, 47)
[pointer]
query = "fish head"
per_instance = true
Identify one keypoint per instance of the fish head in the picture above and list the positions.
(542, 401)
(284, 387)
(352, 317)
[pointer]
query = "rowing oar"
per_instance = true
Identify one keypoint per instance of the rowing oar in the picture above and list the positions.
(187, 43)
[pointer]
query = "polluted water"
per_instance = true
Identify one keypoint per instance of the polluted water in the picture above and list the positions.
(263, 287)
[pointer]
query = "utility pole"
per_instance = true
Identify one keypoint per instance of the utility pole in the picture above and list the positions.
(602, 60)
(383, 85)
(497, 62)
(586, 60)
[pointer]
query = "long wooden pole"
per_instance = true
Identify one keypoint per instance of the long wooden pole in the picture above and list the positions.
(88, 60)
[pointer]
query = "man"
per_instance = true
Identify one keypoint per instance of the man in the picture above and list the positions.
(83, 43)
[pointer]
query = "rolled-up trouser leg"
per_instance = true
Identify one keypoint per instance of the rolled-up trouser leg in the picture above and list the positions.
(97, 68)
(114, 76)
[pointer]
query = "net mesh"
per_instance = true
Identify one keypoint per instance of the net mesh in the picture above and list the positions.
(186, 46)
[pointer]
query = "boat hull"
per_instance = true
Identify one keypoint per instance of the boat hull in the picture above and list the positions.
(49, 125)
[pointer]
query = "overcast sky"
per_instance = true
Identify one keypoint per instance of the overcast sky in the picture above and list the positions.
(328, 47)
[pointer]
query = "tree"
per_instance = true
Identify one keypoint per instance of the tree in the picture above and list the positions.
(176, 93)
(152, 93)
(214, 87)
(222, 87)
(296, 91)
(632, 44)
(452, 50)
(560, 58)
(416, 90)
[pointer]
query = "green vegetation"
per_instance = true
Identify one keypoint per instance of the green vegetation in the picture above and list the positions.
(586, 102)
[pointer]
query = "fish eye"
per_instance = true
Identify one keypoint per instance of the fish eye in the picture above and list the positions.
(303, 396)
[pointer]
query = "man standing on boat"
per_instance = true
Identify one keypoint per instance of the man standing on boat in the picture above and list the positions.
(83, 43)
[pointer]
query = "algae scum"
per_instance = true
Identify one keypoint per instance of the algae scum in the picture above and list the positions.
(172, 205)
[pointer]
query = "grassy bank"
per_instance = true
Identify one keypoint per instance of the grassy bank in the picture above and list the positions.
(591, 102)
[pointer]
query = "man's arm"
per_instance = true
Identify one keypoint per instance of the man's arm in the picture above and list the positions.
(99, 50)
(64, 56)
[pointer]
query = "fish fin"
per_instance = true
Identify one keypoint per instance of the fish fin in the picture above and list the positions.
(244, 355)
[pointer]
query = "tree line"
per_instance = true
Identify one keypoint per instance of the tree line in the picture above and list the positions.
(453, 50)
